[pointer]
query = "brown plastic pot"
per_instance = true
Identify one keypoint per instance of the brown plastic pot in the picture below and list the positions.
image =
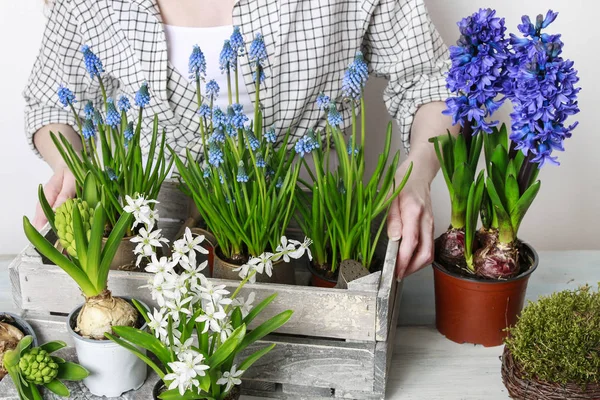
(283, 272)
(471, 310)
(317, 279)
(124, 259)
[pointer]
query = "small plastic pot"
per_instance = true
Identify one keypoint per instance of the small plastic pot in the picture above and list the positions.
(472, 310)
(113, 369)
(283, 272)
(317, 279)
(20, 324)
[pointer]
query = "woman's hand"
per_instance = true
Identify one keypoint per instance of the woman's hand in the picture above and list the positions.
(59, 188)
(411, 219)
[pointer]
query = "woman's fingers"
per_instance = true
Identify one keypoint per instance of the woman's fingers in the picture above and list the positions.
(424, 254)
(67, 190)
(394, 221)
(410, 238)
(59, 188)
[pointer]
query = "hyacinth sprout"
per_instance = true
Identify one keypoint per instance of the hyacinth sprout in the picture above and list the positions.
(342, 214)
(244, 183)
(111, 155)
(488, 68)
(199, 327)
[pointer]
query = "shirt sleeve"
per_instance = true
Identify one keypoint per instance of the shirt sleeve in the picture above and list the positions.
(58, 62)
(402, 45)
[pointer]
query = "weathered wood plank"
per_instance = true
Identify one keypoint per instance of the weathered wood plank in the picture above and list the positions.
(318, 312)
(388, 287)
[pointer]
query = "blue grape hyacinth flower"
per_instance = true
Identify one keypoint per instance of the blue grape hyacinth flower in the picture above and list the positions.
(242, 176)
(93, 65)
(253, 142)
(65, 96)
(142, 97)
(260, 160)
(228, 58)
(323, 101)
(217, 137)
(306, 144)
(236, 117)
(271, 135)
(113, 117)
(219, 118)
(334, 118)
(543, 91)
(204, 111)
(111, 174)
(128, 132)
(355, 78)
(237, 40)
(123, 104)
(349, 148)
(98, 120)
(258, 49)
(205, 170)
(88, 130)
(88, 110)
(478, 71)
(212, 90)
(197, 63)
(215, 155)
(279, 183)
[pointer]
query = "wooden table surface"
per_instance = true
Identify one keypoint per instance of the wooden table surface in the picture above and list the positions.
(427, 366)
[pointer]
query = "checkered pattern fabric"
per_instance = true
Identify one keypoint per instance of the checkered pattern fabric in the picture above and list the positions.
(309, 42)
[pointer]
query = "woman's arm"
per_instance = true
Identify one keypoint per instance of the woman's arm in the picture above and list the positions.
(411, 214)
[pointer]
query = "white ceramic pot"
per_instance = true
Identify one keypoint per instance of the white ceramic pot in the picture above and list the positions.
(113, 369)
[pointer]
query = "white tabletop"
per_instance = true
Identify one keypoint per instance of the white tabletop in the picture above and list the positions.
(427, 366)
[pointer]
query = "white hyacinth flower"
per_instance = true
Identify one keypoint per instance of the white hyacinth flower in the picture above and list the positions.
(185, 371)
(158, 323)
(244, 306)
(193, 243)
(262, 263)
(231, 378)
(212, 316)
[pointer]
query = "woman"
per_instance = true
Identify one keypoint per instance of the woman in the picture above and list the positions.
(309, 42)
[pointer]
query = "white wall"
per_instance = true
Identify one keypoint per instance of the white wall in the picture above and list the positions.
(565, 216)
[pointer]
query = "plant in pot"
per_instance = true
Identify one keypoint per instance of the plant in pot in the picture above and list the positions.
(30, 367)
(480, 294)
(245, 187)
(199, 328)
(553, 350)
(111, 155)
(12, 329)
(342, 215)
(80, 223)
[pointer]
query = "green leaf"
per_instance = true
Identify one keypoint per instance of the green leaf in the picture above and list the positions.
(174, 395)
(141, 309)
(460, 150)
(511, 192)
(111, 246)
(144, 340)
(138, 353)
(473, 206)
(58, 388)
(461, 182)
(70, 371)
(90, 190)
(11, 358)
(227, 348)
(520, 209)
(254, 357)
(46, 208)
(95, 243)
(265, 328)
(258, 309)
(53, 346)
(58, 360)
(236, 318)
(24, 343)
(500, 160)
(205, 382)
(79, 234)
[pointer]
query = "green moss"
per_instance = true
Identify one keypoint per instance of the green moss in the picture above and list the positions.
(557, 338)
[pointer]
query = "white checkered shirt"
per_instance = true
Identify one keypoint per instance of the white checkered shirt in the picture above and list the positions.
(310, 43)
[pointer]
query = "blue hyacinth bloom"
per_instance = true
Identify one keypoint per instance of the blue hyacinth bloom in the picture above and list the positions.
(271, 135)
(88, 110)
(355, 78)
(205, 171)
(349, 148)
(123, 104)
(242, 176)
(88, 130)
(323, 101)
(478, 73)
(98, 120)
(197, 63)
(215, 155)
(111, 174)
(237, 40)
(142, 97)
(93, 65)
(253, 142)
(260, 73)
(113, 117)
(334, 118)
(306, 144)
(260, 160)
(204, 111)
(219, 118)
(65, 96)
(217, 137)
(542, 91)
(212, 90)
(128, 132)
(236, 117)
(279, 183)
(228, 58)
(258, 50)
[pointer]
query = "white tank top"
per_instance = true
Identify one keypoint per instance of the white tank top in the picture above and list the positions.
(181, 41)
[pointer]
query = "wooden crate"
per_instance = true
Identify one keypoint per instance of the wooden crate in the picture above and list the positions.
(338, 342)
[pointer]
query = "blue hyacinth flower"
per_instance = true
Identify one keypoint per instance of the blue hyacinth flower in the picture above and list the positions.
(260, 160)
(228, 58)
(204, 111)
(111, 174)
(212, 90)
(236, 117)
(128, 132)
(355, 78)
(197, 63)
(205, 170)
(113, 117)
(279, 183)
(242, 176)
(215, 155)
(65, 96)
(237, 40)
(93, 65)
(253, 142)
(142, 97)
(123, 104)
(88, 130)
(349, 148)
(217, 137)
(271, 135)
(88, 110)
(98, 120)
(334, 118)
(323, 101)
(258, 50)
